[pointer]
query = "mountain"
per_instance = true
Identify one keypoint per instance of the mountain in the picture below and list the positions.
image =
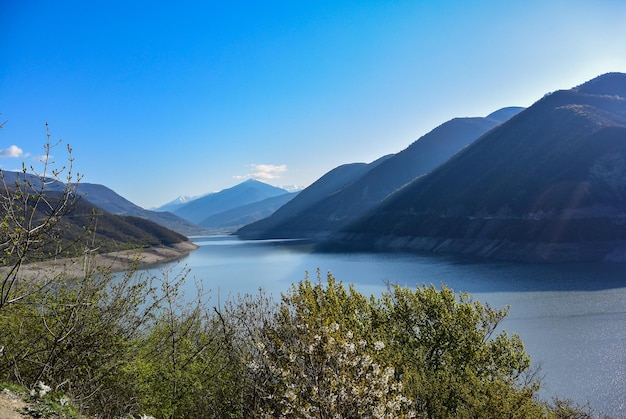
(9, 179)
(327, 185)
(547, 185)
(321, 217)
(244, 193)
(504, 114)
(84, 226)
(610, 84)
(175, 203)
(110, 201)
(230, 220)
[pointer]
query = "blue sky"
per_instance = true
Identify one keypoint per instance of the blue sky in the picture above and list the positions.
(161, 99)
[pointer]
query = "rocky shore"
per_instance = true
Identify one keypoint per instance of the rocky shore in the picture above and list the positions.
(504, 250)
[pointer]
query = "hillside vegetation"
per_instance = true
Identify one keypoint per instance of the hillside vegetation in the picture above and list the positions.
(109, 201)
(112, 348)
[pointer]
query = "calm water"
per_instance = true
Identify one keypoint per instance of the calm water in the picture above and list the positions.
(571, 317)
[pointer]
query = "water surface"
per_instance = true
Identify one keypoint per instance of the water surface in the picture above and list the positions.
(571, 317)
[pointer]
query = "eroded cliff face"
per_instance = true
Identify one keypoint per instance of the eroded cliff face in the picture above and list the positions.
(569, 221)
(496, 249)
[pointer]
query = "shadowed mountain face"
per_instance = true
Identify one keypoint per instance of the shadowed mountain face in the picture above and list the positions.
(110, 201)
(86, 226)
(322, 214)
(548, 185)
(230, 220)
(329, 184)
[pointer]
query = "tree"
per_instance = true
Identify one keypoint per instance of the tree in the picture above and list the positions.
(452, 361)
(32, 203)
(328, 351)
(182, 368)
(75, 334)
(319, 358)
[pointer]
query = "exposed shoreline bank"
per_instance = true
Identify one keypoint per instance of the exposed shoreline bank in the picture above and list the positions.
(114, 261)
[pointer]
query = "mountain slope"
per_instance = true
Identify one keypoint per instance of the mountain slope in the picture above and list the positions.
(107, 199)
(244, 193)
(548, 185)
(83, 226)
(175, 203)
(329, 184)
(234, 218)
(329, 214)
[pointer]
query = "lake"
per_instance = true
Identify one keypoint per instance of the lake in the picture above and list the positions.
(571, 317)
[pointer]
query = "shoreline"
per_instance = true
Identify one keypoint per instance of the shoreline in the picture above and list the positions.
(115, 261)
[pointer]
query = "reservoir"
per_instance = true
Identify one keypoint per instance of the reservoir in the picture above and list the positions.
(571, 317)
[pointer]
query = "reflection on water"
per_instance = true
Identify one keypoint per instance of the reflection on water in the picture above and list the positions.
(571, 317)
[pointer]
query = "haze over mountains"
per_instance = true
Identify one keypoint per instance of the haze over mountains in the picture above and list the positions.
(319, 214)
(223, 211)
(547, 183)
(200, 211)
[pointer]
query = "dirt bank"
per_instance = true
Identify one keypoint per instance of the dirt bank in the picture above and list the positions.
(115, 261)
(11, 404)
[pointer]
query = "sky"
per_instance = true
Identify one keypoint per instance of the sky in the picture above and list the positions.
(161, 99)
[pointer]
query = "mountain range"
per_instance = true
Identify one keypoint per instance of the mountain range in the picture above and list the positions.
(81, 226)
(107, 199)
(223, 211)
(542, 184)
(319, 211)
(116, 224)
(203, 211)
(547, 185)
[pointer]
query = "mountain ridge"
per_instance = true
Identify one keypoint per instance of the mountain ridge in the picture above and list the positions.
(243, 193)
(545, 186)
(329, 213)
(110, 201)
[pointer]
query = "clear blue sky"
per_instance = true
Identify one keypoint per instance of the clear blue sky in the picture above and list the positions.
(160, 99)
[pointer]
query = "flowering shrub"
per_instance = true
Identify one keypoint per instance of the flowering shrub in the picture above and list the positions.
(326, 372)
(327, 351)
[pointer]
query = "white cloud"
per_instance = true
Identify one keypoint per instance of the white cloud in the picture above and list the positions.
(11, 152)
(264, 172)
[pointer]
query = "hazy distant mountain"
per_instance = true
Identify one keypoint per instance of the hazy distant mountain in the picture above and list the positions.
(321, 217)
(176, 203)
(244, 193)
(292, 188)
(230, 220)
(548, 185)
(110, 201)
